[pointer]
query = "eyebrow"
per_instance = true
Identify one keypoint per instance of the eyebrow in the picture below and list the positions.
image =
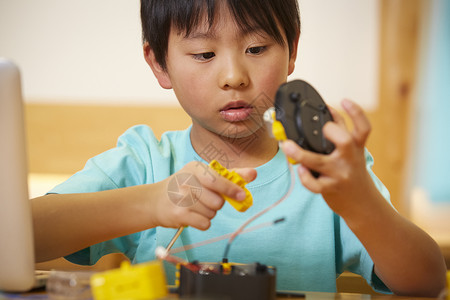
(210, 34)
(200, 35)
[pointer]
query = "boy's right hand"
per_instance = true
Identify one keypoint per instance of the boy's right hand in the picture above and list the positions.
(192, 196)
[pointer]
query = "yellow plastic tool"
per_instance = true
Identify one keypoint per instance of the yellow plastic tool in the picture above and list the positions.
(236, 178)
(278, 129)
(140, 281)
(279, 133)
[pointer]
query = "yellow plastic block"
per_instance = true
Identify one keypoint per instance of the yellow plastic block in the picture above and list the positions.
(278, 131)
(280, 135)
(448, 285)
(237, 179)
(141, 281)
(226, 268)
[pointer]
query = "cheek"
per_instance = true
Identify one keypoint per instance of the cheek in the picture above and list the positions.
(270, 81)
(191, 94)
(187, 86)
(188, 97)
(192, 83)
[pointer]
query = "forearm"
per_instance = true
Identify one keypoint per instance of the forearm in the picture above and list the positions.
(67, 223)
(64, 224)
(406, 258)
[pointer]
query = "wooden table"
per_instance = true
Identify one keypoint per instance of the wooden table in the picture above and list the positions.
(307, 295)
(352, 296)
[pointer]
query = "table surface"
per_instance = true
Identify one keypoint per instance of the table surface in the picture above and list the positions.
(306, 295)
(352, 296)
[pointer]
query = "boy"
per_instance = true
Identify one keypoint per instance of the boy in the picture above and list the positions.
(225, 60)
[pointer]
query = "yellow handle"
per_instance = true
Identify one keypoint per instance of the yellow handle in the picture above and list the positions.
(237, 179)
(280, 134)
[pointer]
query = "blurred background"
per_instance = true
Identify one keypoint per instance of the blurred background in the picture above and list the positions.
(90, 53)
(85, 82)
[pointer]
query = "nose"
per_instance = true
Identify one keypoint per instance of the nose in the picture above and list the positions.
(233, 75)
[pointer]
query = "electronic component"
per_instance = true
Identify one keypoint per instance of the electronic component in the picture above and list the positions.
(237, 179)
(228, 280)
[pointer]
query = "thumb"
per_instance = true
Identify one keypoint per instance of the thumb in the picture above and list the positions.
(248, 174)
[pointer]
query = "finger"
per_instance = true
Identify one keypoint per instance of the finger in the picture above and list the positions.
(337, 117)
(361, 125)
(308, 180)
(292, 150)
(226, 187)
(248, 174)
(204, 209)
(211, 200)
(338, 135)
(308, 159)
(196, 220)
(297, 153)
(211, 180)
(313, 184)
(187, 216)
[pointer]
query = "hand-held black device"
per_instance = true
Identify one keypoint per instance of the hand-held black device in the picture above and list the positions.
(303, 113)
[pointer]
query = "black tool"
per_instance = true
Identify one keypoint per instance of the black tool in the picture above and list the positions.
(303, 113)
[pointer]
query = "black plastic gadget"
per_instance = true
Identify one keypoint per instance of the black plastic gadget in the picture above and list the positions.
(228, 281)
(301, 110)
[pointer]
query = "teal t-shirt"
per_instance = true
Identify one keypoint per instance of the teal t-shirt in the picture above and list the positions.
(309, 249)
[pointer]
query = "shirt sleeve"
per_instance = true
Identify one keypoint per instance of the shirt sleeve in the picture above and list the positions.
(128, 164)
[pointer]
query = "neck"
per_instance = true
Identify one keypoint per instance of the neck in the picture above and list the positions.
(251, 151)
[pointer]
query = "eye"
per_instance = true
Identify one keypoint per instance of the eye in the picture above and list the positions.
(204, 56)
(256, 50)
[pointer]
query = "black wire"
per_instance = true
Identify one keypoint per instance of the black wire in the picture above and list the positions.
(228, 246)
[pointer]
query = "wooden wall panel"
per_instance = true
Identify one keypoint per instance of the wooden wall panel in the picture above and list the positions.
(399, 46)
(62, 137)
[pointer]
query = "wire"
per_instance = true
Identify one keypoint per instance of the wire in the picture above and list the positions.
(240, 229)
(223, 237)
(162, 254)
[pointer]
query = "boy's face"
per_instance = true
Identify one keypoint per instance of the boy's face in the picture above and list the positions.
(224, 78)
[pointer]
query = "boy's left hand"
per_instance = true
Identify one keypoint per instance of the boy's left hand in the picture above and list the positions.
(408, 261)
(343, 175)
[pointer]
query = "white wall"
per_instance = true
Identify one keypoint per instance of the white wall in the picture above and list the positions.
(338, 51)
(90, 51)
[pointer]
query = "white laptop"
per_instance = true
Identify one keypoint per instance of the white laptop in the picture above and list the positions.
(16, 234)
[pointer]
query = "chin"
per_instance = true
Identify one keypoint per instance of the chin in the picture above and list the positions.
(240, 130)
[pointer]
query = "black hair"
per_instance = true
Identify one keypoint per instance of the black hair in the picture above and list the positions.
(157, 17)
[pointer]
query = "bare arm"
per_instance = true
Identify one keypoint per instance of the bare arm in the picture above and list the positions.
(407, 260)
(65, 223)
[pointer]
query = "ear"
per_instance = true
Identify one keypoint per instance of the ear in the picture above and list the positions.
(161, 75)
(293, 57)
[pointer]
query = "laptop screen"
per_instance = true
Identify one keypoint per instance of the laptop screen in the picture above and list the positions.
(16, 234)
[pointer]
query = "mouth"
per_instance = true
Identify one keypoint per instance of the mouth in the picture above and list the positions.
(236, 111)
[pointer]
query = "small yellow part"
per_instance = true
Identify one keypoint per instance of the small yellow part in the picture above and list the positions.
(226, 268)
(140, 281)
(280, 135)
(237, 179)
(278, 131)
(177, 275)
(448, 285)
